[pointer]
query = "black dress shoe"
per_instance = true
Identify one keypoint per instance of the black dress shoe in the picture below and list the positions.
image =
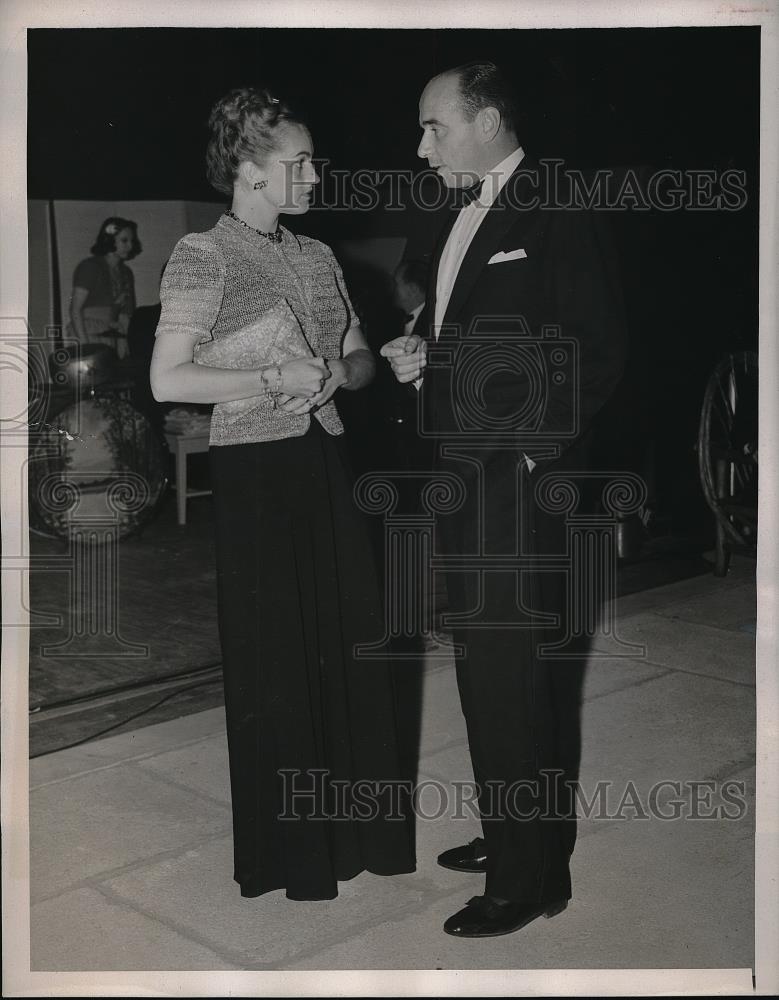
(484, 916)
(471, 858)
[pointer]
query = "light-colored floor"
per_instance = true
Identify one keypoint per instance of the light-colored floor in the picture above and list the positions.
(131, 855)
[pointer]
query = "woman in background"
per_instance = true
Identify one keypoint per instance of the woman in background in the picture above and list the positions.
(103, 298)
(307, 720)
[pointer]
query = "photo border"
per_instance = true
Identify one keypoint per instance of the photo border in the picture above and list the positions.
(15, 17)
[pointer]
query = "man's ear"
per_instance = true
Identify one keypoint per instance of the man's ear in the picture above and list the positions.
(488, 120)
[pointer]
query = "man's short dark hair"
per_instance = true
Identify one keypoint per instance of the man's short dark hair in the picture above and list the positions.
(485, 85)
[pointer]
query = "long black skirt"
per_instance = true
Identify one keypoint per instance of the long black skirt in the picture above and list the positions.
(317, 793)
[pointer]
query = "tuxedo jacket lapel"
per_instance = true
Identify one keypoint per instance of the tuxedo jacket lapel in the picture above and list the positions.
(479, 252)
(501, 215)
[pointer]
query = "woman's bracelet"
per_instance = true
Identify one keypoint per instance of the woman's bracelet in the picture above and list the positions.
(272, 389)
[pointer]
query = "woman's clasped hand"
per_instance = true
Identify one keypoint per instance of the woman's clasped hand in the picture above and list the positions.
(303, 377)
(292, 400)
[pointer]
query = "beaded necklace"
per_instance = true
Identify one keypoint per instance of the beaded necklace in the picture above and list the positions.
(274, 237)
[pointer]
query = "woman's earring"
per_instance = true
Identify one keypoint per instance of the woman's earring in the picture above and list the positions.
(259, 184)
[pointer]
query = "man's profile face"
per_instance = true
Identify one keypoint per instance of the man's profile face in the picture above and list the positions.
(449, 142)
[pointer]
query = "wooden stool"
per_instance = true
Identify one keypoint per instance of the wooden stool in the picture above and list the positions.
(182, 445)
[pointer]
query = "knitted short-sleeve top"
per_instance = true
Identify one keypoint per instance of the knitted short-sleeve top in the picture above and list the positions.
(218, 282)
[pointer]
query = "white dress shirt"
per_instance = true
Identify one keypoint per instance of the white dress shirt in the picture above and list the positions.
(464, 229)
(461, 236)
(412, 320)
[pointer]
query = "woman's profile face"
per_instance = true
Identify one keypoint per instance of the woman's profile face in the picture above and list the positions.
(290, 172)
(123, 243)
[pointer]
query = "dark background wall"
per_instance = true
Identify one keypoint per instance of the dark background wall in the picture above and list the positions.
(122, 114)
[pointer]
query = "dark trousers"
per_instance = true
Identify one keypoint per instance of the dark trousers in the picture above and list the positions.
(521, 707)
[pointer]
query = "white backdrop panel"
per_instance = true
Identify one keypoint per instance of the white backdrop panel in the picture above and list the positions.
(160, 225)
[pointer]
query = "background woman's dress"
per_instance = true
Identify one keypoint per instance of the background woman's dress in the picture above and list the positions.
(109, 304)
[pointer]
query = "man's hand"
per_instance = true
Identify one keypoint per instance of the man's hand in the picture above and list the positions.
(408, 357)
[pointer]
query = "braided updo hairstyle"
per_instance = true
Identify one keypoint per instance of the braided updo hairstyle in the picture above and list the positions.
(244, 125)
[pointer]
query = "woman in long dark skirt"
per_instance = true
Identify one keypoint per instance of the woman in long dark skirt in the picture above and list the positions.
(311, 727)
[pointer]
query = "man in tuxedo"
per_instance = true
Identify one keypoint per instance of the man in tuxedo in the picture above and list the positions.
(525, 343)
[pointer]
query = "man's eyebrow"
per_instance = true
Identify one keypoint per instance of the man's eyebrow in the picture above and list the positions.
(430, 121)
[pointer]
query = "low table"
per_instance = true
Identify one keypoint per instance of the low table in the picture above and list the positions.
(182, 445)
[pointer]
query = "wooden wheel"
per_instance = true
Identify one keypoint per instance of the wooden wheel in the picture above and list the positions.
(727, 453)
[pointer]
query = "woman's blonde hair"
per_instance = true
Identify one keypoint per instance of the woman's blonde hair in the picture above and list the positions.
(245, 125)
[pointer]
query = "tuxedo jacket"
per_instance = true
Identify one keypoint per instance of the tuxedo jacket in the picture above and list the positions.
(533, 337)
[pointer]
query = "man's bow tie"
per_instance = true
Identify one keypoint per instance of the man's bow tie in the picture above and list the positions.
(472, 193)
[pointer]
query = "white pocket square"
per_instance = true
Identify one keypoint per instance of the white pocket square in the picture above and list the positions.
(503, 255)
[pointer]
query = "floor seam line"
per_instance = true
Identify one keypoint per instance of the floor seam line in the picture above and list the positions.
(122, 901)
(118, 763)
(150, 861)
(179, 786)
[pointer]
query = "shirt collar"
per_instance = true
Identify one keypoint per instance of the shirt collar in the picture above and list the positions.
(497, 176)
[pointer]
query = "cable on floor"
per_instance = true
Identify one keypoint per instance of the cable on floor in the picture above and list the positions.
(129, 718)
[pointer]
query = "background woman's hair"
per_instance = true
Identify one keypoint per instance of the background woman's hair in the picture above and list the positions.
(106, 236)
(244, 125)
